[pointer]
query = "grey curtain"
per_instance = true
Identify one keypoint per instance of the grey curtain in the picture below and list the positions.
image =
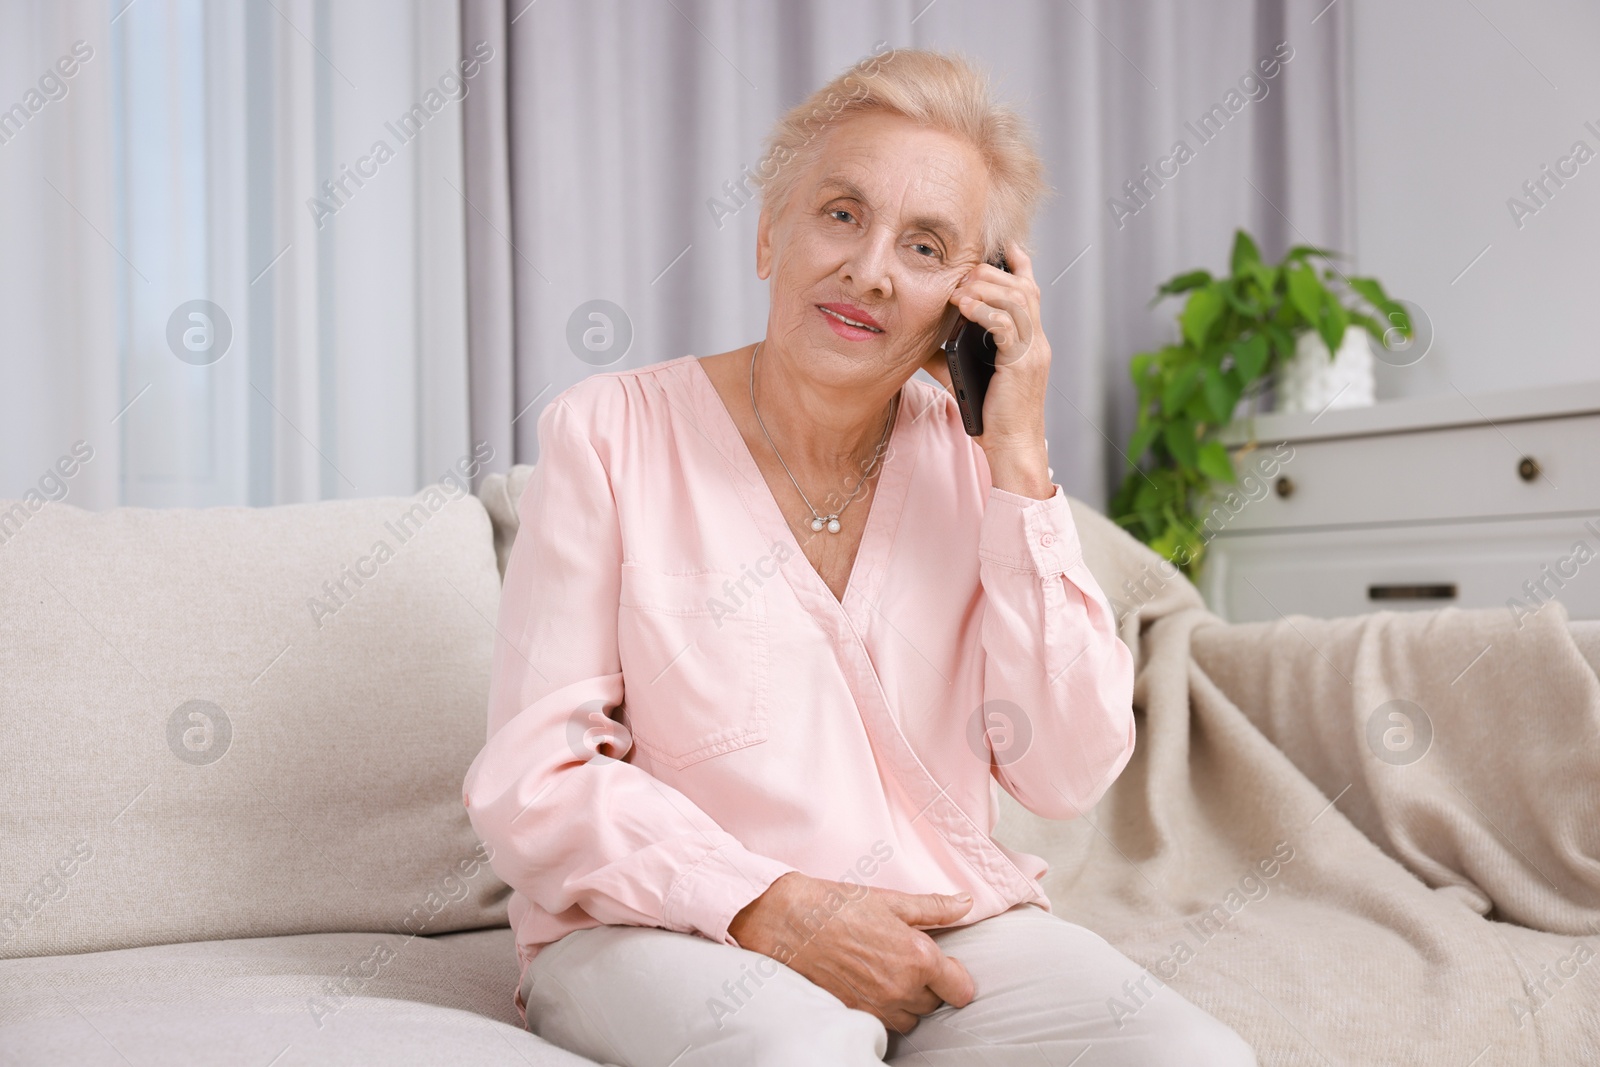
(603, 161)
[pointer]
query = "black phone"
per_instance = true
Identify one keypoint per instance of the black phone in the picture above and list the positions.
(969, 351)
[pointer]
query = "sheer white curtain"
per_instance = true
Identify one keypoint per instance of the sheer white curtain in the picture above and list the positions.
(58, 271)
(212, 272)
(595, 167)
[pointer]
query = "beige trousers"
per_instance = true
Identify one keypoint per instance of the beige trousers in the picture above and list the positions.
(637, 996)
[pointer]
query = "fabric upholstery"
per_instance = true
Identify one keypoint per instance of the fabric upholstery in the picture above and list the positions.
(242, 722)
(307, 999)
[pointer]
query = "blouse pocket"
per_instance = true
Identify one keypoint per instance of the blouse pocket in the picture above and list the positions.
(694, 658)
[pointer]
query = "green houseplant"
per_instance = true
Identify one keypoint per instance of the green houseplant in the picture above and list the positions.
(1235, 334)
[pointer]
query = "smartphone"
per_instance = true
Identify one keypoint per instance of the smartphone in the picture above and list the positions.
(969, 351)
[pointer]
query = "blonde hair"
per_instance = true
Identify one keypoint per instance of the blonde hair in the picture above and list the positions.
(935, 89)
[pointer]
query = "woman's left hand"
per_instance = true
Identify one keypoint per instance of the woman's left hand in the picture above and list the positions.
(1013, 410)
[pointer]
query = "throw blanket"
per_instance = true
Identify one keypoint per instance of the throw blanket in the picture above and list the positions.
(1365, 840)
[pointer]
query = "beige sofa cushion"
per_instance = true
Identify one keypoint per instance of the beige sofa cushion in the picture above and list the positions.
(243, 722)
(331, 999)
(501, 493)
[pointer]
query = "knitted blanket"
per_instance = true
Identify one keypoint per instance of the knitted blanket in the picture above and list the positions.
(1363, 840)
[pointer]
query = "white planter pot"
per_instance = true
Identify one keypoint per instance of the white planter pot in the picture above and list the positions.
(1313, 382)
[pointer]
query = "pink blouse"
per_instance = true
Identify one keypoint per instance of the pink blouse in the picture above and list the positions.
(681, 711)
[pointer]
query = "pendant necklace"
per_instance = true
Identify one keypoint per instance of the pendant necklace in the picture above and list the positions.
(820, 521)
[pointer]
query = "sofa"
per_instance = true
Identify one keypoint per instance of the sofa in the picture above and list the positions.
(234, 743)
(235, 739)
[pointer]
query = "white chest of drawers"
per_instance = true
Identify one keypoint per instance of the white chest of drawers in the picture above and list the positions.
(1485, 501)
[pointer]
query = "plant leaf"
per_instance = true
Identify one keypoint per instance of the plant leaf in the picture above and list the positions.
(1331, 326)
(1372, 291)
(1400, 320)
(1215, 463)
(1234, 291)
(1167, 544)
(1141, 440)
(1298, 253)
(1245, 252)
(1306, 294)
(1182, 283)
(1265, 276)
(1179, 387)
(1149, 495)
(1282, 342)
(1200, 314)
(1250, 356)
(1178, 436)
(1139, 367)
(1198, 409)
(1220, 396)
(1368, 323)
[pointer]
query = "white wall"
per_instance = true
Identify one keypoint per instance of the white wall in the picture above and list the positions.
(1456, 104)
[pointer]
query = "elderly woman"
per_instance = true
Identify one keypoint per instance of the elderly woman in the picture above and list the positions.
(775, 630)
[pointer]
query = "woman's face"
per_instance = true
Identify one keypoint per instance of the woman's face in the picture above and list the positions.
(880, 229)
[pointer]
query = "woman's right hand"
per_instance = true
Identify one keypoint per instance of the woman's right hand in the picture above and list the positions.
(860, 943)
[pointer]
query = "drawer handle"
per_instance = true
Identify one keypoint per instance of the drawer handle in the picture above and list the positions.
(1441, 591)
(1528, 469)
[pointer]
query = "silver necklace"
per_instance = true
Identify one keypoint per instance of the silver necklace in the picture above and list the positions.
(818, 520)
